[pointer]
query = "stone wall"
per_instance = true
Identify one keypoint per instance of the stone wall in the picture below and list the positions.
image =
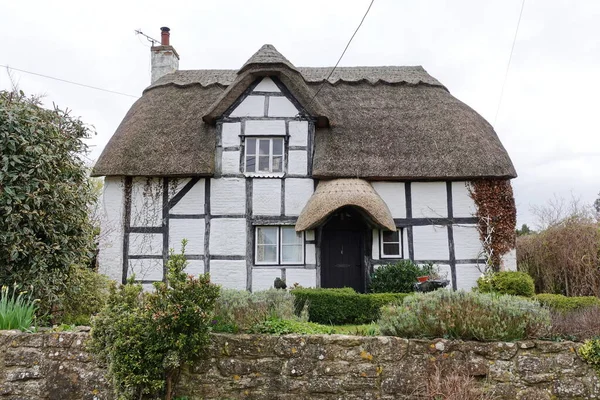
(56, 366)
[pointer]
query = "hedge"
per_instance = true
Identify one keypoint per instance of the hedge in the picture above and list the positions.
(559, 302)
(342, 306)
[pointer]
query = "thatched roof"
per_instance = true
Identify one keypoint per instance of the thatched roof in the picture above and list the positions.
(332, 195)
(373, 122)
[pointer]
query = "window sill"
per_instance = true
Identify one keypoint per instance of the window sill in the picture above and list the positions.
(266, 175)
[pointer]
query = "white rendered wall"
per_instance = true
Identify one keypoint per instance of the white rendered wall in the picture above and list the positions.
(265, 128)
(508, 261)
(195, 267)
(146, 270)
(190, 229)
(304, 277)
(146, 201)
(467, 275)
(267, 85)
(266, 196)
(281, 107)
(393, 193)
(298, 162)
(230, 163)
(228, 196)
(297, 193)
(462, 203)
(227, 237)
(429, 200)
(251, 106)
(110, 257)
(431, 242)
(467, 245)
(230, 134)
(263, 279)
(298, 133)
(230, 274)
(192, 202)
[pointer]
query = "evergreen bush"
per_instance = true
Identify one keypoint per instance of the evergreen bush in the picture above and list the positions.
(561, 303)
(515, 283)
(399, 277)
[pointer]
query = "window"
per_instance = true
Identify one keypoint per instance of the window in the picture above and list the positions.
(264, 155)
(279, 245)
(391, 244)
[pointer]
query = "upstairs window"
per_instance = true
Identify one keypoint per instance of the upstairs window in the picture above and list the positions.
(391, 244)
(278, 245)
(264, 155)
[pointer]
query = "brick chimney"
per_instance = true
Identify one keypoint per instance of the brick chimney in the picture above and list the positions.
(164, 58)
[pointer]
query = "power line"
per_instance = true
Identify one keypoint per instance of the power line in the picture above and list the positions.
(343, 52)
(512, 49)
(67, 81)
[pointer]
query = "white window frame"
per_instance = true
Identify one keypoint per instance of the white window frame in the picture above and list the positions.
(279, 246)
(400, 245)
(256, 155)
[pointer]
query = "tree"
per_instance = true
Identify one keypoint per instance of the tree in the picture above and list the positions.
(525, 230)
(44, 197)
(597, 205)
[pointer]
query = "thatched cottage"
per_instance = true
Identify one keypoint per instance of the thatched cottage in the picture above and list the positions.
(274, 171)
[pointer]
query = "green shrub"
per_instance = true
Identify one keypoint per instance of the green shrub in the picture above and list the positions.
(45, 196)
(17, 309)
(146, 337)
(85, 295)
(399, 277)
(342, 306)
(276, 326)
(465, 315)
(515, 283)
(562, 303)
(590, 352)
(240, 310)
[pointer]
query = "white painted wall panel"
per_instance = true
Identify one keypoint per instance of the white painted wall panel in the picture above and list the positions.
(251, 106)
(195, 267)
(298, 133)
(228, 196)
(266, 197)
(309, 235)
(311, 254)
(175, 185)
(267, 127)
(263, 279)
(110, 256)
(430, 242)
(467, 275)
(298, 162)
(146, 270)
(405, 243)
(375, 244)
(146, 201)
(466, 242)
(190, 229)
(267, 85)
(429, 200)
(230, 134)
(393, 194)
(462, 203)
(230, 274)
(281, 107)
(297, 193)
(192, 202)
(304, 277)
(508, 261)
(227, 237)
(141, 244)
(230, 162)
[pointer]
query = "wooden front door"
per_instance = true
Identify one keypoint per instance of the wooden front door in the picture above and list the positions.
(342, 251)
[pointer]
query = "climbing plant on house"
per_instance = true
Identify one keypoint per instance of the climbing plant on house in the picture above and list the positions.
(44, 197)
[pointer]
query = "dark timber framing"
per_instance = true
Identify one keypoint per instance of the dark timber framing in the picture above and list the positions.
(409, 230)
(451, 235)
(166, 206)
(126, 225)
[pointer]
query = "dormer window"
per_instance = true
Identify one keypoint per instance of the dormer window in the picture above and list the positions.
(264, 155)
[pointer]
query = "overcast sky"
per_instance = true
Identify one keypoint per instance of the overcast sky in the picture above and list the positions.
(547, 120)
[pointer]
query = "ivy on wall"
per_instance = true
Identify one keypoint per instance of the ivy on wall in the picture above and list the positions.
(497, 215)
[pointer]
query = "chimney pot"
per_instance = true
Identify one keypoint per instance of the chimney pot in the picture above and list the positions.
(164, 36)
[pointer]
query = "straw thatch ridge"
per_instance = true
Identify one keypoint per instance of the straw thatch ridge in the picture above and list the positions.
(332, 195)
(267, 55)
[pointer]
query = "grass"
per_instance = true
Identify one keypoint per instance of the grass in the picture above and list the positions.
(17, 310)
(357, 330)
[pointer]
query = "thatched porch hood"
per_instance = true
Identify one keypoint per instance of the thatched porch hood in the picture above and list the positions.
(372, 122)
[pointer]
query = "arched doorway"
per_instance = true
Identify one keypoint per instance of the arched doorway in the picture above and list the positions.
(343, 238)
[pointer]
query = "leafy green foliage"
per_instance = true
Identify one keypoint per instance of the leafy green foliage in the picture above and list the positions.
(240, 311)
(399, 277)
(561, 303)
(466, 316)
(44, 197)
(145, 338)
(85, 295)
(277, 326)
(17, 309)
(515, 283)
(342, 306)
(590, 352)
